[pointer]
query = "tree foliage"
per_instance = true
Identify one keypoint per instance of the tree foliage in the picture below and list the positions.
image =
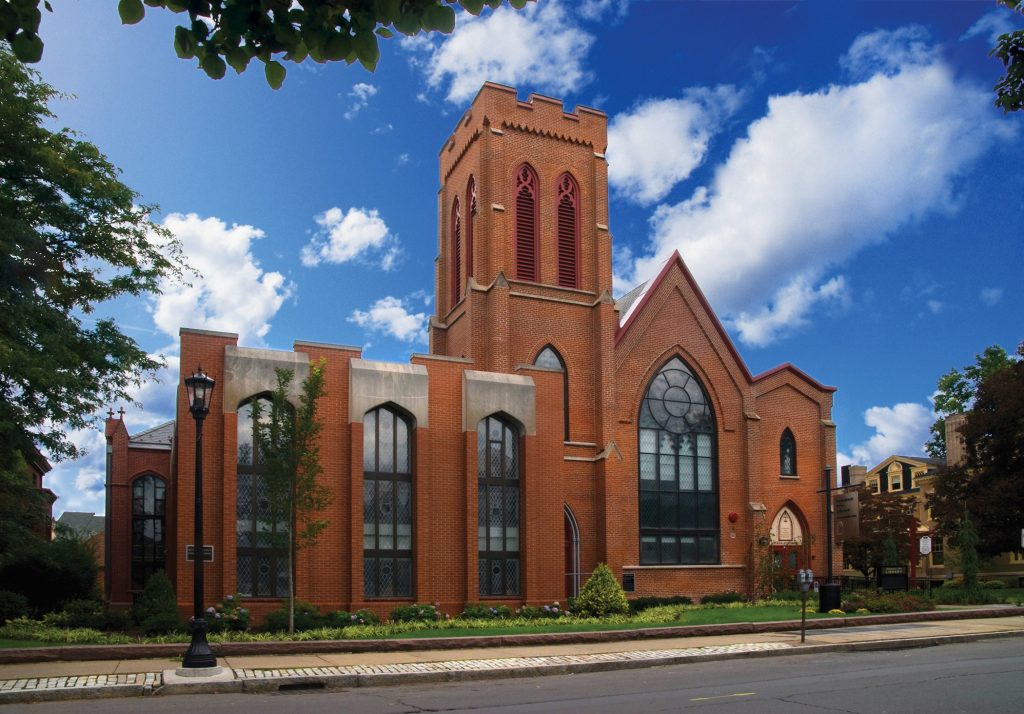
(222, 33)
(885, 520)
(1010, 51)
(602, 595)
(956, 390)
(71, 236)
(990, 485)
(287, 444)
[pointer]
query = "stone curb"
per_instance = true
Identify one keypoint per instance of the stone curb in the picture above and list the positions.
(84, 653)
(264, 681)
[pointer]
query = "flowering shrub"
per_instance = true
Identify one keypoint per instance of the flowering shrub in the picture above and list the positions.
(836, 611)
(307, 617)
(228, 615)
(343, 618)
(529, 612)
(482, 611)
(420, 612)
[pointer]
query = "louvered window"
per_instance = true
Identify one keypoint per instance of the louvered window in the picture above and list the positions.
(526, 223)
(471, 202)
(568, 232)
(456, 227)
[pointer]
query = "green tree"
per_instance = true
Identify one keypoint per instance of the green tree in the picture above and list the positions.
(601, 595)
(1010, 51)
(222, 33)
(967, 545)
(885, 520)
(990, 485)
(956, 390)
(287, 441)
(71, 237)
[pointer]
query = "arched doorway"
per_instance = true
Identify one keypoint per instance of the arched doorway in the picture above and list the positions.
(572, 554)
(789, 546)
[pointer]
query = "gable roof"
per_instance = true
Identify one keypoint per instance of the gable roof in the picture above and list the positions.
(83, 525)
(159, 437)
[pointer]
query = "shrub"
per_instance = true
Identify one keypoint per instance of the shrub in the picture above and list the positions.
(343, 618)
(887, 602)
(12, 605)
(79, 613)
(601, 596)
(961, 595)
(50, 573)
(993, 584)
(836, 611)
(307, 617)
(227, 616)
(156, 610)
(722, 598)
(482, 611)
(420, 612)
(645, 603)
(531, 612)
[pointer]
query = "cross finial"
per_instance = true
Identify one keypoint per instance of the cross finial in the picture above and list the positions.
(121, 413)
(110, 413)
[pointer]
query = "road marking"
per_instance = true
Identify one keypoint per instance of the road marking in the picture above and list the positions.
(723, 696)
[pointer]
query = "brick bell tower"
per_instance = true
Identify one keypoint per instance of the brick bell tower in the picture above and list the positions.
(524, 250)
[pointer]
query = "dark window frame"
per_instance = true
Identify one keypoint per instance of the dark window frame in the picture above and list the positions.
(499, 492)
(787, 440)
(148, 558)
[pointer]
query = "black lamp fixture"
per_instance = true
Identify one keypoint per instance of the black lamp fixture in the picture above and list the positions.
(199, 655)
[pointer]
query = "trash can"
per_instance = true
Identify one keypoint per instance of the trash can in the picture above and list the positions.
(830, 597)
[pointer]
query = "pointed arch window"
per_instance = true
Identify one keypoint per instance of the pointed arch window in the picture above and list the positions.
(568, 231)
(149, 553)
(456, 252)
(261, 553)
(526, 223)
(470, 219)
(787, 453)
(678, 481)
(497, 507)
(387, 504)
(549, 357)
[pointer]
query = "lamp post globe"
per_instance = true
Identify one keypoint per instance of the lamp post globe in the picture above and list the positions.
(199, 388)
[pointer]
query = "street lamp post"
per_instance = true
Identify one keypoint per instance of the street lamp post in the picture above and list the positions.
(199, 655)
(830, 593)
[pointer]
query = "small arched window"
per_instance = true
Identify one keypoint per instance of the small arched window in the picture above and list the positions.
(497, 507)
(549, 357)
(387, 504)
(149, 500)
(470, 216)
(787, 454)
(568, 232)
(456, 252)
(526, 223)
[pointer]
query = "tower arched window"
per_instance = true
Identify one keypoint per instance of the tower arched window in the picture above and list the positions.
(549, 357)
(498, 507)
(787, 454)
(679, 521)
(149, 553)
(387, 504)
(261, 529)
(470, 219)
(526, 223)
(456, 252)
(568, 231)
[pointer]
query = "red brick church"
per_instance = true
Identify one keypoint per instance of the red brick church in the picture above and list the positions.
(550, 428)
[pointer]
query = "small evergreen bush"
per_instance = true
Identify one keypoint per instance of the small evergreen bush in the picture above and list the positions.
(156, 610)
(601, 596)
(993, 584)
(12, 606)
(482, 611)
(307, 617)
(645, 603)
(723, 598)
(420, 612)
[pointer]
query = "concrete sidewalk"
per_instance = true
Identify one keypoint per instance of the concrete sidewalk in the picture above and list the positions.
(39, 681)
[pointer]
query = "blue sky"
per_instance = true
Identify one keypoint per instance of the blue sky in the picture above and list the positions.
(834, 173)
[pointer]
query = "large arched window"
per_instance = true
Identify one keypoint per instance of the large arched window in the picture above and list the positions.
(787, 454)
(456, 252)
(678, 470)
(470, 216)
(526, 223)
(149, 501)
(387, 504)
(549, 357)
(261, 543)
(497, 507)
(568, 232)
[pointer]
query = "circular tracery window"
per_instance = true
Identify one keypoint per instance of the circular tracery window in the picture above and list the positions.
(675, 401)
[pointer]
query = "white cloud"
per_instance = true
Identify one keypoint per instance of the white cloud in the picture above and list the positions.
(402, 160)
(596, 9)
(383, 129)
(935, 306)
(888, 52)
(658, 143)
(899, 429)
(991, 296)
(360, 96)
(231, 293)
(818, 178)
(392, 316)
(355, 234)
(539, 46)
(993, 24)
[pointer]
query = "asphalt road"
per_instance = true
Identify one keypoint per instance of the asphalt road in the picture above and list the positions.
(984, 677)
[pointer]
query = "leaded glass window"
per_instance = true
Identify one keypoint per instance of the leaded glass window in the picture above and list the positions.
(498, 507)
(787, 454)
(387, 504)
(678, 470)
(261, 551)
(549, 357)
(149, 500)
